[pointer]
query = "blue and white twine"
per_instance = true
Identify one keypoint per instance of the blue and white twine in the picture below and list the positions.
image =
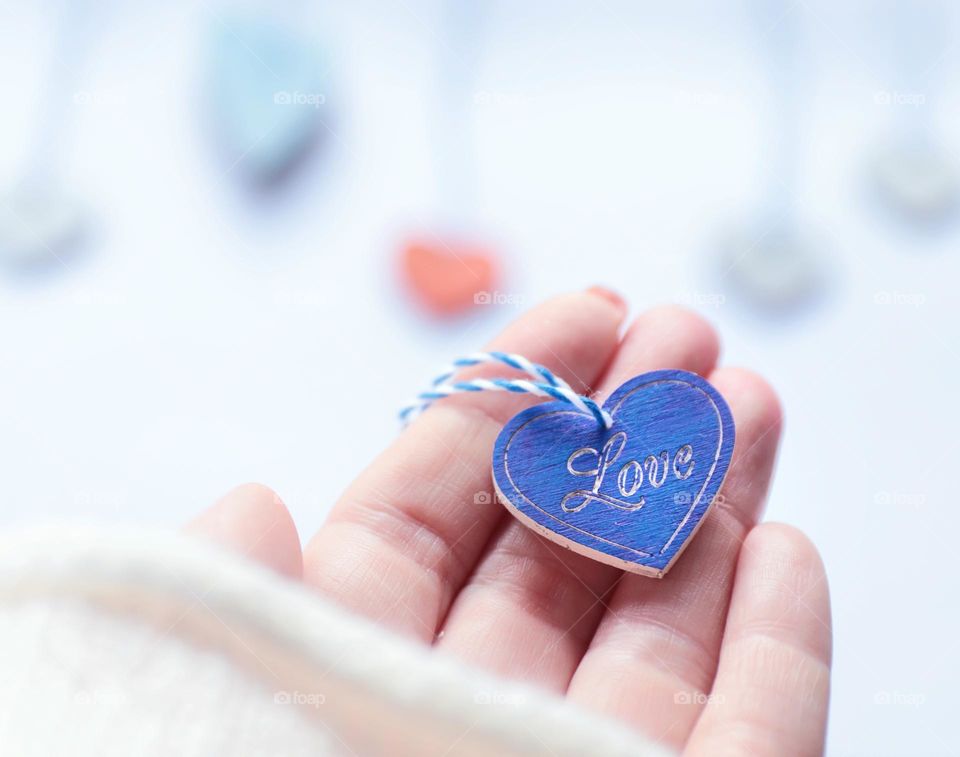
(513, 361)
(546, 385)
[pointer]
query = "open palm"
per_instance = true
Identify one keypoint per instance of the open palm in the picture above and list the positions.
(730, 653)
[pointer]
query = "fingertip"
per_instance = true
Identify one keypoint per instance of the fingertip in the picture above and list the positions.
(786, 553)
(788, 582)
(574, 334)
(611, 297)
(596, 302)
(751, 397)
(679, 336)
(777, 539)
(253, 521)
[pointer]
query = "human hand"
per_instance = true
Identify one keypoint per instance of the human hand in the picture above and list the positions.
(730, 653)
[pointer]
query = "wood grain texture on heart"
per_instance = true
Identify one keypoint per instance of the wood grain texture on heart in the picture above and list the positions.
(632, 495)
(448, 279)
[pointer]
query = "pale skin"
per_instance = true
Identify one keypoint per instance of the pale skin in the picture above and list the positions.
(729, 654)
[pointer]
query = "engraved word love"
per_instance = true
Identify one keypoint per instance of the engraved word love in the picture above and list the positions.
(632, 495)
(629, 478)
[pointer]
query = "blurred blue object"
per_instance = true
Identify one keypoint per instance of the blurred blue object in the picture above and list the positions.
(267, 89)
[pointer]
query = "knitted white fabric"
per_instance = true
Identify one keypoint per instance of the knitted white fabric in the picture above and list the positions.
(119, 642)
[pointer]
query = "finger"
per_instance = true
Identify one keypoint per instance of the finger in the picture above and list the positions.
(531, 607)
(773, 682)
(408, 531)
(656, 648)
(253, 521)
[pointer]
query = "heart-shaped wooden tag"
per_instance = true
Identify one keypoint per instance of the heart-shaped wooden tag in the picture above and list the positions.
(632, 495)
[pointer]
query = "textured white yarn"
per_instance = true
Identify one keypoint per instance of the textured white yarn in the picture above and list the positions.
(81, 682)
(99, 635)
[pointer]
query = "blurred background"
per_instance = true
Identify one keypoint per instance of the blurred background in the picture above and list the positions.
(235, 238)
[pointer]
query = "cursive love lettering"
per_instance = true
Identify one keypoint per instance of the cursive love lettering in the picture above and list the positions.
(630, 477)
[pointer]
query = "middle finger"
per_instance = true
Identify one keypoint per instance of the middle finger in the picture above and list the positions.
(531, 606)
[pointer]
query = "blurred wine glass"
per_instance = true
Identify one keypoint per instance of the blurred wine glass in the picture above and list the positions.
(449, 265)
(41, 219)
(771, 259)
(913, 173)
(268, 87)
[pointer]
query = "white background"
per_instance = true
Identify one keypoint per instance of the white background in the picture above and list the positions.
(208, 336)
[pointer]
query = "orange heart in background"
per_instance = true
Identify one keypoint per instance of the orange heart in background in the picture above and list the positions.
(448, 279)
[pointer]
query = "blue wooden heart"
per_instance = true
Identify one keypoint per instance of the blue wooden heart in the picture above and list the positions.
(632, 495)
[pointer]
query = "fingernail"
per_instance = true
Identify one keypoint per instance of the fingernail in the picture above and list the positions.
(610, 296)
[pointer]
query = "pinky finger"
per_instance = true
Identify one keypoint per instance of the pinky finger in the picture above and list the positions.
(772, 687)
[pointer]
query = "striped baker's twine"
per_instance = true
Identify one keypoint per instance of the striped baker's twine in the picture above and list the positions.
(548, 385)
(537, 372)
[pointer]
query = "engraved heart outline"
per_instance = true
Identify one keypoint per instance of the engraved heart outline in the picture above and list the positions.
(554, 527)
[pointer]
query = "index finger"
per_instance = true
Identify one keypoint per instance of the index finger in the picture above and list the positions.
(406, 534)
